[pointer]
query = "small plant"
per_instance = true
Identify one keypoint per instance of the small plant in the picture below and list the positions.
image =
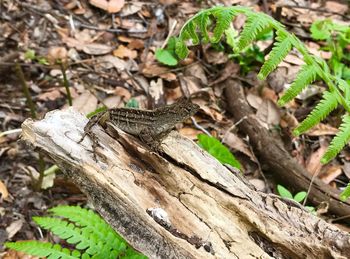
(91, 235)
(337, 38)
(31, 55)
(217, 150)
(299, 197)
(218, 21)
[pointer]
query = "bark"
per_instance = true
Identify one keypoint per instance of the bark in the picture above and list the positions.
(272, 154)
(211, 211)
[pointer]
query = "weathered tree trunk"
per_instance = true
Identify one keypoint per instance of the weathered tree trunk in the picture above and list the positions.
(211, 212)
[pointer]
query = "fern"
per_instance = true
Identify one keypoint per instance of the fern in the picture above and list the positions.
(85, 229)
(339, 141)
(44, 249)
(253, 26)
(323, 108)
(314, 67)
(305, 77)
(281, 49)
(224, 18)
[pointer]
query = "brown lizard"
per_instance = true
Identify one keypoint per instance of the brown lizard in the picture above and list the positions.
(151, 126)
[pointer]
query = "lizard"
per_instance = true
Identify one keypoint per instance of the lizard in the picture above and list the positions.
(150, 126)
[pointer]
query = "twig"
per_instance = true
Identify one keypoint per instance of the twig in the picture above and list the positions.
(8, 132)
(169, 34)
(200, 127)
(66, 83)
(30, 103)
(25, 89)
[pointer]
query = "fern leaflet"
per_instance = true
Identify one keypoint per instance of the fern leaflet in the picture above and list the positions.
(43, 249)
(339, 141)
(327, 104)
(305, 77)
(280, 50)
(254, 24)
(224, 18)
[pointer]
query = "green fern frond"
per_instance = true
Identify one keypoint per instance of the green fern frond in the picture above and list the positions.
(307, 75)
(339, 141)
(43, 249)
(203, 22)
(224, 18)
(190, 32)
(94, 227)
(254, 24)
(71, 233)
(327, 104)
(282, 46)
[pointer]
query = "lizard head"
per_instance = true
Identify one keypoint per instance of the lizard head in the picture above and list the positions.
(186, 108)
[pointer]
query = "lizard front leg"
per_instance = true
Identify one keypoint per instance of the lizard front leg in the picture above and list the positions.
(100, 119)
(151, 139)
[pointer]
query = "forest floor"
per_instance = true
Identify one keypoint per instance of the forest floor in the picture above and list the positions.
(109, 57)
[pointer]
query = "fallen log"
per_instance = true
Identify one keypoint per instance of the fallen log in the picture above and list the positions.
(275, 157)
(183, 203)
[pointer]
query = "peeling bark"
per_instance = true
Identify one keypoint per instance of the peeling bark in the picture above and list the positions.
(211, 212)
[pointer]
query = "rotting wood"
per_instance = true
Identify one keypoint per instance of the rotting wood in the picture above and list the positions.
(272, 153)
(213, 214)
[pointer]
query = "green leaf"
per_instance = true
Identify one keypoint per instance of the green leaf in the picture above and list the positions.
(98, 110)
(339, 141)
(217, 150)
(307, 74)
(280, 50)
(346, 193)
(30, 54)
(299, 197)
(166, 57)
(254, 25)
(283, 192)
(132, 103)
(224, 18)
(321, 29)
(181, 49)
(42, 249)
(327, 104)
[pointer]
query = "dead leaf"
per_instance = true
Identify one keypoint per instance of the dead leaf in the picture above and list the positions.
(196, 70)
(190, 132)
(113, 101)
(269, 94)
(136, 44)
(123, 92)
(12, 254)
(236, 143)
(337, 7)
(3, 191)
(268, 113)
(155, 70)
(96, 49)
(189, 84)
(215, 57)
(56, 54)
(313, 164)
(293, 59)
(124, 52)
(110, 61)
(14, 227)
(322, 129)
(85, 103)
(254, 100)
(330, 173)
(51, 95)
(111, 6)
